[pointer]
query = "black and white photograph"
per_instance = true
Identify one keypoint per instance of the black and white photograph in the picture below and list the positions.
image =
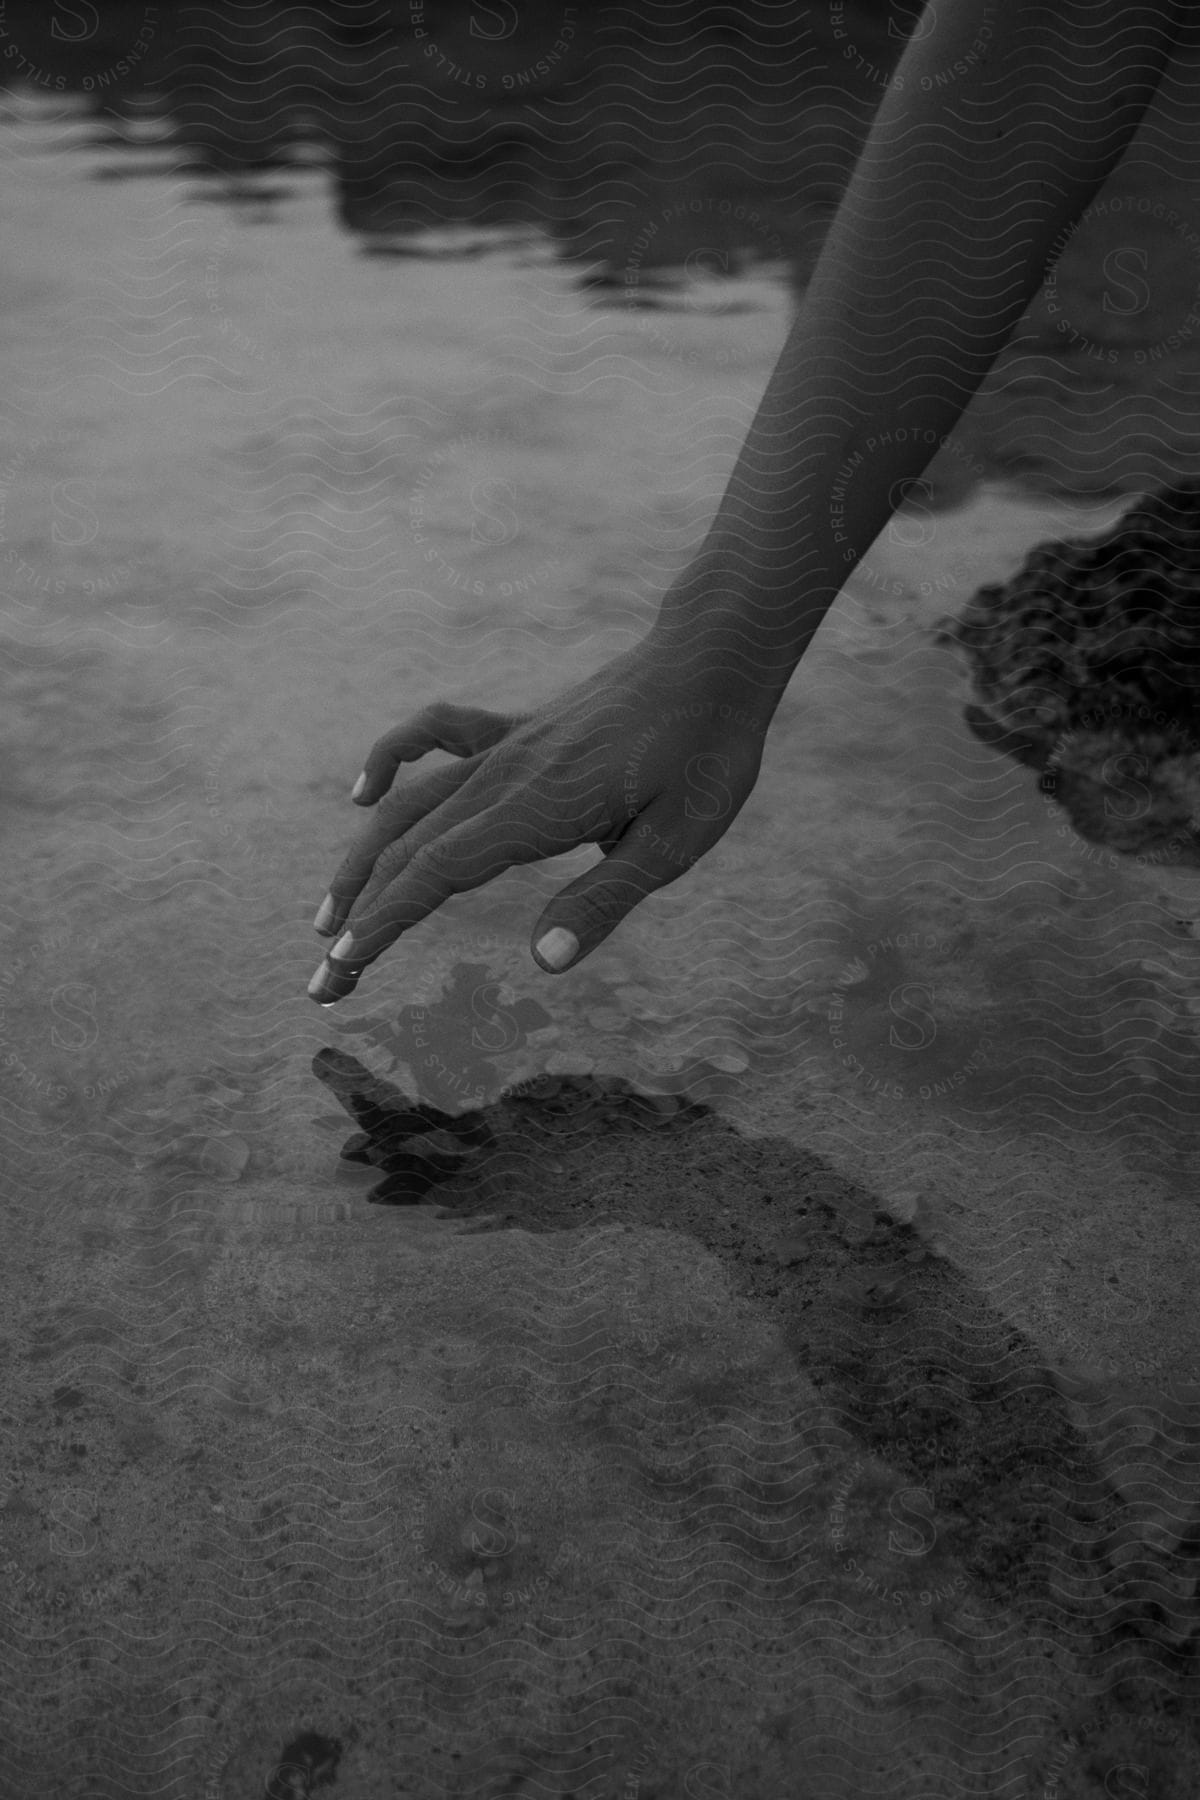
(600, 989)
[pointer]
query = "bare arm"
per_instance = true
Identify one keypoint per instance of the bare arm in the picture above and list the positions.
(964, 192)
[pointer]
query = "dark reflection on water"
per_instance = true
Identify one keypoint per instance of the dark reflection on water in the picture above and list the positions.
(635, 143)
(657, 155)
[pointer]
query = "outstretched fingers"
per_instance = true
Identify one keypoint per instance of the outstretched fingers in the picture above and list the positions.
(399, 815)
(447, 859)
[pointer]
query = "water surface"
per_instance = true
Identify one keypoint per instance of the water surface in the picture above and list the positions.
(284, 458)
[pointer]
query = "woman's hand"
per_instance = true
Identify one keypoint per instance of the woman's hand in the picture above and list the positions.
(650, 766)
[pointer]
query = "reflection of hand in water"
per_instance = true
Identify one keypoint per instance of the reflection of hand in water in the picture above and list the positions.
(636, 758)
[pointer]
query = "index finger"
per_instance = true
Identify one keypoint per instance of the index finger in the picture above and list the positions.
(396, 818)
(465, 857)
(462, 730)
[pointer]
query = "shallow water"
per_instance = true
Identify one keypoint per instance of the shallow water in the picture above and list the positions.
(265, 493)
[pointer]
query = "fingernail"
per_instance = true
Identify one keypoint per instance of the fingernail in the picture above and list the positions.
(558, 947)
(332, 983)
(319, 986)
(359, 785)
(323, 922)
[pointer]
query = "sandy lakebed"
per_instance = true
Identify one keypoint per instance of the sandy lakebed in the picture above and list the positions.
(827, 1422)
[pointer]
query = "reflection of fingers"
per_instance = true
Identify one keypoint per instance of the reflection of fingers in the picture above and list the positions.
(460, 730)
(404, 810)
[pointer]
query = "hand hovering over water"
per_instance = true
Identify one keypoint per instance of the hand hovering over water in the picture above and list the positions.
(998, 128)
(638, 759)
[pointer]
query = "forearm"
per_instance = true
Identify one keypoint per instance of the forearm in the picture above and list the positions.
(964, 192)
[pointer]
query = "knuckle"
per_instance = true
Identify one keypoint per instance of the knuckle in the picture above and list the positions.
(352, 873)
(439, 715)
(391, 815)
(389, 863)
(506, 759)
(441, 859)
(382, 751)
(598, 908)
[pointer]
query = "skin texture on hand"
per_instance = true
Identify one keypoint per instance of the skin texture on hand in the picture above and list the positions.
(651, 769)
(958, 201)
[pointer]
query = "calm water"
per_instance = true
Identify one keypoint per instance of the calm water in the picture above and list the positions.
(271, 482)
(281, 460)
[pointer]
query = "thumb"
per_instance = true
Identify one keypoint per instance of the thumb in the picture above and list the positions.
(648, 855)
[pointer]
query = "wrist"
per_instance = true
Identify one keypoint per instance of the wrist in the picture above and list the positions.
(736, 630)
